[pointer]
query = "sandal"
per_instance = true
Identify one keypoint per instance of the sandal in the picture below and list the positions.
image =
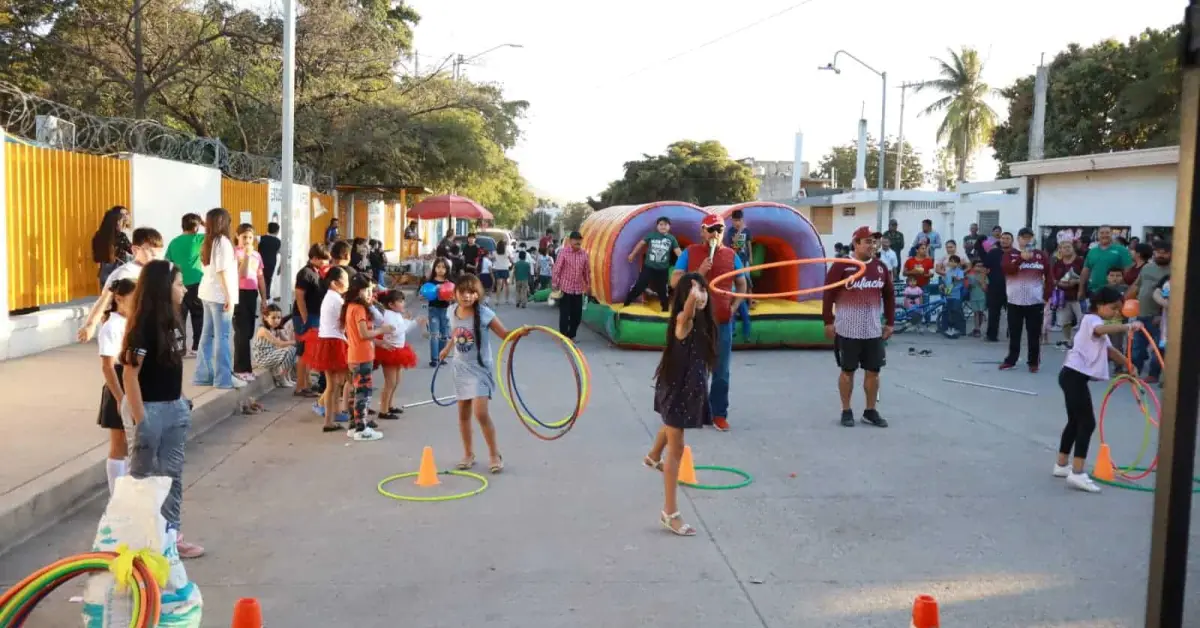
(331, 428)
(306, 392)
(395, 410)
(651, 463)
(465, 463)
(683, 530)
(498, 466)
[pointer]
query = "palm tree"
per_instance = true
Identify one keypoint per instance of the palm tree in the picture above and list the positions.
(969, 120)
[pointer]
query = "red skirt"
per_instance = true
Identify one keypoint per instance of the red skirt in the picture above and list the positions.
(325, 354)
(404, 357)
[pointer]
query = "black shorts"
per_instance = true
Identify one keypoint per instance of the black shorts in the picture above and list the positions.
(854, 353)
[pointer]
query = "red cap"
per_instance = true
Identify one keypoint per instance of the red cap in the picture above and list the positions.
(712, 220)
(864, 232)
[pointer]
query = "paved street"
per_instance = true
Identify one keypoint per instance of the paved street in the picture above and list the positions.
(842, 527)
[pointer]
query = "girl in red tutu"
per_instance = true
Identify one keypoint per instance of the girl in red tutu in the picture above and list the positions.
(394, 352)
(325, 347)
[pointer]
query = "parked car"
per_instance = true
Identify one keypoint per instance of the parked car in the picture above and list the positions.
(488, 243)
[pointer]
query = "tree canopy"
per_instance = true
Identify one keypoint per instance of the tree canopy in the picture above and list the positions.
(967, 119)
(1109, 96)
(212, 70)
(841, 162)
(700, 173)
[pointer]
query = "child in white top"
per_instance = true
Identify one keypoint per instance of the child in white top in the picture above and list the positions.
(393, 353)
(110, 339)
(331, 347)
(1087, 360)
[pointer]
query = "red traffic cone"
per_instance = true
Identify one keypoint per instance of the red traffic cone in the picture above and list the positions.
(247, 614)
(925, 612)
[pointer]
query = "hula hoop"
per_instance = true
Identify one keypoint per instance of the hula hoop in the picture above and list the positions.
(862, 270)
(433, 392)
(129, 568)
(483, 485)
(508, 385)
(1142, 489)
(747, 479)
(1140, 389)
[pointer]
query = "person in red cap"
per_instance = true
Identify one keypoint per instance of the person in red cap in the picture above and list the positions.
(712, 259)
(853, 315)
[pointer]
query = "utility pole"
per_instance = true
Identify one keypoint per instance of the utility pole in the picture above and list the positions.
(287, 216)
(900, 134)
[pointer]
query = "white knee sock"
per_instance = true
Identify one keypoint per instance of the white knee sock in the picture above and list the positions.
(115, 468)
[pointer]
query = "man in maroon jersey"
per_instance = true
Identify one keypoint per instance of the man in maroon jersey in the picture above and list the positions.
(854, 317)
(1028, 281)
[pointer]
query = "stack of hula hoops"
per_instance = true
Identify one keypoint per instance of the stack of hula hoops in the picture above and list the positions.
(18, 602)
(507, 382)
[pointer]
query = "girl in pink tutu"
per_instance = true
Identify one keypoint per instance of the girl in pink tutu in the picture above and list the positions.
(394, 353)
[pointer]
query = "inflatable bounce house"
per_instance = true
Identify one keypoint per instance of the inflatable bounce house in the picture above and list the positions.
(779, 233)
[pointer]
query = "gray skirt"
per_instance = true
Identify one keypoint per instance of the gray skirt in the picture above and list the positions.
(471, 380)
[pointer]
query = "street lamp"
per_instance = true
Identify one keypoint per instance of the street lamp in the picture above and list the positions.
(882, 126)
(287, 174)
(461, 61)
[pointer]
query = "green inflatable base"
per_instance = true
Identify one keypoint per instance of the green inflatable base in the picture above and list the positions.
(635, 330)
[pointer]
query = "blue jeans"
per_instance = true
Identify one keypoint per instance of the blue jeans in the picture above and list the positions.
(439, 331)
(214, 360)
(156, 448)
(718, 390)
(1141, 348)
(743, 314)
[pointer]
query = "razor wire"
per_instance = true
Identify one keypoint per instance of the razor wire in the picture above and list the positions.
(40, 121)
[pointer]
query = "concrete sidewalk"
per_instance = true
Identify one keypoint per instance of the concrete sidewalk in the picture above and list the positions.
(52, 448)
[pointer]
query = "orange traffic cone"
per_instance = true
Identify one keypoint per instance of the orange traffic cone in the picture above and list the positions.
(1104, 466)
(925, 612)
(687, 468)
(427, 475)
(247, 614)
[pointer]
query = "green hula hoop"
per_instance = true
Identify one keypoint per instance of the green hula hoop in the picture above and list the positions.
(1135, 487)
(747, 479)
(483, 484)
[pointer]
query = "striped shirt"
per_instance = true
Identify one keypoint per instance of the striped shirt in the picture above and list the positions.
(862, 307)
(1029, 282)
(571, 271)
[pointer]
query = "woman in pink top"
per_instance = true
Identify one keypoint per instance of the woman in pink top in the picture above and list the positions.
(250, 287)
(1087, 360)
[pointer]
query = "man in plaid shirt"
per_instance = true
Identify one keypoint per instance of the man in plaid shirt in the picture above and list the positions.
(572, 275)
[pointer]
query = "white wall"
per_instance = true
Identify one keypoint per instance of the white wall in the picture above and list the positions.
(1133, 197)
(162, 191)
(983, 196)
(302, 214)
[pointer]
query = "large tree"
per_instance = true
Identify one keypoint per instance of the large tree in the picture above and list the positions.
(841, 161)
(967, 119)
(694, 172)
(1109, 96)
(572, 216)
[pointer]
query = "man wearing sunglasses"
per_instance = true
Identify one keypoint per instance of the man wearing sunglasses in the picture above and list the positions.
(710, 258)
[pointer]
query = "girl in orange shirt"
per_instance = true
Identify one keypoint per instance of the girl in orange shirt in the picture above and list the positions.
(361, 334)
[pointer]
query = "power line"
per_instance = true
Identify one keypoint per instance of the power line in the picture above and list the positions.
(718, 39)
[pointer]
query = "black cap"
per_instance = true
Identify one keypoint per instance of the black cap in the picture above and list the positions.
(1025, 231)
(575, 235)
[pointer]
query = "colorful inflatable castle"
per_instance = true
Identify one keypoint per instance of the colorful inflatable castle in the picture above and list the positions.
(779, 233)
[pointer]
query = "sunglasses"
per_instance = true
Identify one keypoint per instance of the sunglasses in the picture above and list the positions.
(715, 229)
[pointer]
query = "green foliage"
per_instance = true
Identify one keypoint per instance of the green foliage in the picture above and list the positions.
(967, 121)
(572, 217)
(842, 161)
(694, 172)
(1106, 97)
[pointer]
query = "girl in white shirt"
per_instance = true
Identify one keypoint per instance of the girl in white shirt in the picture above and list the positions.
(1087, 360)
(111, 339)
(218, 292)
(325, 349)
(393, 352)
(500, 269)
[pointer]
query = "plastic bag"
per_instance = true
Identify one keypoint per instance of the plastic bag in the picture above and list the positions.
(134, 517)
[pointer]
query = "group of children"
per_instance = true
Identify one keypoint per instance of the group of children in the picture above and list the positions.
(504, 274)
(955, 282)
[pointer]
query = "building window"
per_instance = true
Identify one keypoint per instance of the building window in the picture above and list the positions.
(988, 220)
(822, 219)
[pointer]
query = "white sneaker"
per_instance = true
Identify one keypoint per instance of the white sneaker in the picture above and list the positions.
(1081, 482)
(1061, 471)
(366, 434)
(239, 383)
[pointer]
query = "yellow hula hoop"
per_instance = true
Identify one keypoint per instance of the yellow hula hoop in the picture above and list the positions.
(504, 356)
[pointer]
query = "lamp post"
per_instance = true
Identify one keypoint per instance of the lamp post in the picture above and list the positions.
(287, 167)
(460, 61)
(882, 127)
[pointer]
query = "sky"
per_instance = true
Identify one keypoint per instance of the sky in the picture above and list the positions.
(610, 81)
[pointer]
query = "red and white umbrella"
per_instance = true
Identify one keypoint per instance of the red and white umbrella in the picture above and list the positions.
(448, 206)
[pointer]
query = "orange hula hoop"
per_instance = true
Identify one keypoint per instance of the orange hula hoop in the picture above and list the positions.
(862, 270)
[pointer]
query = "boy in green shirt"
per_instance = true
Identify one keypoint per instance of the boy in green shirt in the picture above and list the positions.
(522, 271)
(184, 252)
(656, 267)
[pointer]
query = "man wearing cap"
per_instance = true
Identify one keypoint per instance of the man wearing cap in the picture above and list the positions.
(853, 315)
(571, 275)
(896, 241)
(712, 259)
(1028, 282)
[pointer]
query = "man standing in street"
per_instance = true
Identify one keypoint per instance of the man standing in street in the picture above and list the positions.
(970, 242)
(712, 259)
(268, 248)
(1149, 311)
(853, 315)
(930, 237)
(1102, 257)
(184, 252)
(997, 294)
(1029, 282)
(888, 256)
(572, 275)
(896, 240)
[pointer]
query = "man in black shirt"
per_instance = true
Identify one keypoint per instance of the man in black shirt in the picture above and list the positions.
(268, 247)
(306, 312)
(997, 294)
(470, 254)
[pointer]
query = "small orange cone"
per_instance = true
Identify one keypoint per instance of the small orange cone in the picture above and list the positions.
(427, 476)
(247, 614)
(687, 468)
(925, 612)
(1104, 466)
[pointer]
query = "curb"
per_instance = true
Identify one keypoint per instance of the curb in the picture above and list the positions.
(29, 510)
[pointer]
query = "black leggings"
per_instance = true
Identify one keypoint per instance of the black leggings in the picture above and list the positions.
(654, 278)
(194, 308)
(244, 314)
(1081, 418)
